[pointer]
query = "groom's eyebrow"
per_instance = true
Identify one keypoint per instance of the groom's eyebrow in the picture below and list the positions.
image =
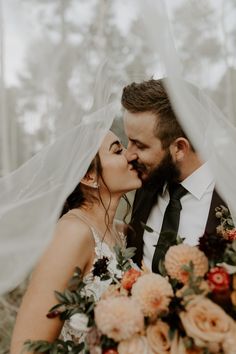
(117, 142)
(136, 141)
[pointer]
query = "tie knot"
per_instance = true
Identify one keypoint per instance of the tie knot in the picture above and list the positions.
(177, 191)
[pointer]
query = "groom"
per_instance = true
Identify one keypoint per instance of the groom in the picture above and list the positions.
(178, 195)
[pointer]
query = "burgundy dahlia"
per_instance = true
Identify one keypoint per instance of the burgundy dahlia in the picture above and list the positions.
(100, 267)
(213, 246)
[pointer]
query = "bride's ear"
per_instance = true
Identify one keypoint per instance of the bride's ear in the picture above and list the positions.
(90, 180)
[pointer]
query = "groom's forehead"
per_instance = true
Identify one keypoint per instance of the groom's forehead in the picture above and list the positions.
(137, 118)
(137, 124)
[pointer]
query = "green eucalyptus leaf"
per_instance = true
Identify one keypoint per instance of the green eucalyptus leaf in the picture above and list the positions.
(60, 296)
(179, 239)
(78, 348)
(146, 227)
(233, 245)
(161, 267)
(69, 296)
(188, 292)
(105, 277)
(171, 333)
(129, 252)
(55, 307)
(186, 268)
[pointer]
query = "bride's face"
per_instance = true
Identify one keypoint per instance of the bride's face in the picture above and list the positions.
(118, 174)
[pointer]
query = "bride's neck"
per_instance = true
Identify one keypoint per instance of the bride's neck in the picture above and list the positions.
(102, 212)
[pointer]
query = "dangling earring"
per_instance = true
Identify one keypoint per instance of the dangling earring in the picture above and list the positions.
(95, 185)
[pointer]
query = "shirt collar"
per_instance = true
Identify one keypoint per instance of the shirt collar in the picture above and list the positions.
(198, 182)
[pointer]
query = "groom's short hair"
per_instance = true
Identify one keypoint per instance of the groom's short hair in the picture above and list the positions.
(151, 96)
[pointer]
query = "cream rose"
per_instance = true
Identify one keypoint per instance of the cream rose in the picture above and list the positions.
(229, 345)
(158, 337)
(177, 346)
(206, 323)
(136, 344)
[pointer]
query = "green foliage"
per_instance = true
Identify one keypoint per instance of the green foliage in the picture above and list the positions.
(123, 256)
(161, 267)
(146, 227)
(57, 347)
(230, 253)
(194, 281)
(107, 343)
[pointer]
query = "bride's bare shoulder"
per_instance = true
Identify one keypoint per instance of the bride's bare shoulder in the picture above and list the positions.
(69, 225)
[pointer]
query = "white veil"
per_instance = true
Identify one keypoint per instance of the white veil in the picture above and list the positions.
(43, 107)
(212, 132)
(32, 196)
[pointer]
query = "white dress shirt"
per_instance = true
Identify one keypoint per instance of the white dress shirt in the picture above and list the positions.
(193, 217)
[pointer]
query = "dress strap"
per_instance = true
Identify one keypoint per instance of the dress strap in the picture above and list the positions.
(93, 230)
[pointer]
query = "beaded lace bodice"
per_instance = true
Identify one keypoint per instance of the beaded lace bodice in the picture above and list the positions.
(75, 328)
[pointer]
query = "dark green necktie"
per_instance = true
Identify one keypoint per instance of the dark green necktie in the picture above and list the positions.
(170, 225)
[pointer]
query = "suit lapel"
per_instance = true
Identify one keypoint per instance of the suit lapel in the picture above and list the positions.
(143, 203)
(212, 221)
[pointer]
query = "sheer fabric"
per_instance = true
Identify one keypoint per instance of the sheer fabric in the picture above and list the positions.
(212, 133)
(75, 329)
(32, 196)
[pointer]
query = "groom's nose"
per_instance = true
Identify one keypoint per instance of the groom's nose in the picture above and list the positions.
(130, 154)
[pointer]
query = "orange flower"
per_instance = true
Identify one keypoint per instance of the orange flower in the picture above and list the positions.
(180, 255)
(129, 278)
(110, 351)
(119, 318)
(153, 293)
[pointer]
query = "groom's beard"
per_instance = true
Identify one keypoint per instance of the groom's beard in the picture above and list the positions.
(166, 172)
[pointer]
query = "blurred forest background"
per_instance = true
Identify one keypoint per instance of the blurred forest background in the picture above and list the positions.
(50, 54)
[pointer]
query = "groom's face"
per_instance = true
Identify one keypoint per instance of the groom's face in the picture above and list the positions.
(144, 149)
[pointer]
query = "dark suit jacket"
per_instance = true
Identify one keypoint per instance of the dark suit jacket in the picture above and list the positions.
(143, 203)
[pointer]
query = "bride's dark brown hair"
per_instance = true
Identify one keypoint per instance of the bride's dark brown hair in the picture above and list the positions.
(83, 194)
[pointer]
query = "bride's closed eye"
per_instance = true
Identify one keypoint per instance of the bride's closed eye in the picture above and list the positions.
(118, 152)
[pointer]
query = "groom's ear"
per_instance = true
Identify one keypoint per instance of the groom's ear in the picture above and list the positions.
(90, 180)
(179, 149)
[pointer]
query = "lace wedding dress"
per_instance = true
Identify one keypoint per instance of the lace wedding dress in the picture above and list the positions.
(75, 329)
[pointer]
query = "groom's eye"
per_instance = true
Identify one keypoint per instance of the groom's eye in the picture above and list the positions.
(140, 146)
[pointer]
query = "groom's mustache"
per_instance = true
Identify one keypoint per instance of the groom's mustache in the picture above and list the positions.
(139, 167)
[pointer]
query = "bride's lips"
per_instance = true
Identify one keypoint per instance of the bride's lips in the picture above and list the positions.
(132, 169)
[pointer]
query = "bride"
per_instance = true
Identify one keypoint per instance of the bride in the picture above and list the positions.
(85, 232)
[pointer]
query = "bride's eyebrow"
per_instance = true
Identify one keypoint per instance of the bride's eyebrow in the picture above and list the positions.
(117, 142)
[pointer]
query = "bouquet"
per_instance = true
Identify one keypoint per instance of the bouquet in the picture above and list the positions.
(190, 307)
